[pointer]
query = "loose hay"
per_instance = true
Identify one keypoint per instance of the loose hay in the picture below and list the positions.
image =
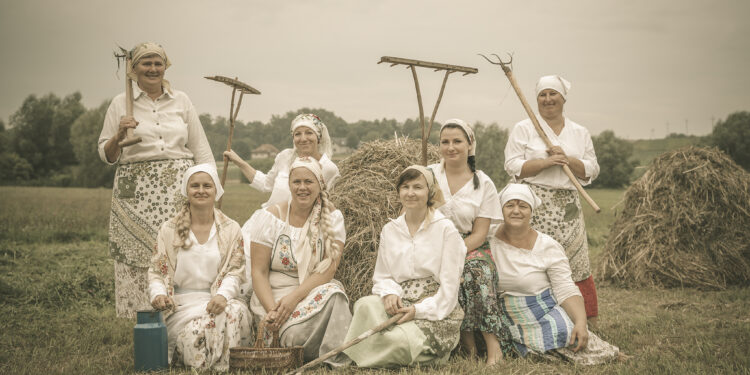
(366, 195)
(686, 222)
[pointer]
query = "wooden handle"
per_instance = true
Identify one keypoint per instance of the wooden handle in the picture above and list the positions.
(130, 139)
(540, 131)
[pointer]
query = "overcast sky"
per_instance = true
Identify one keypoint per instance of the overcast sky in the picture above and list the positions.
(639, 68)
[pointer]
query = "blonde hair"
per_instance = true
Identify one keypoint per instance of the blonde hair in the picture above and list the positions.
(183, 228)
(331, 249)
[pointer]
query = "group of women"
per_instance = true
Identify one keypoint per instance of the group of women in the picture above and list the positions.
(461, 262)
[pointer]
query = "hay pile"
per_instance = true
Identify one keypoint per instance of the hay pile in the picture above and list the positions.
(366, 195)
(686, 222)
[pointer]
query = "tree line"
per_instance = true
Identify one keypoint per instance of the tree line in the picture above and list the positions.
(53, 141)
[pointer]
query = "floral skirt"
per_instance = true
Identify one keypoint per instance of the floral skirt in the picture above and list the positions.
(479, 297)
(145, 195)
(418, 341)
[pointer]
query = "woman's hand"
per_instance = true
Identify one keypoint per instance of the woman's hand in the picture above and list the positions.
(556, 159)
(126, 122)
(231, 155)
(392, 304)
(283, 310)
(555, 150)
(216, 305)
(581, 333)
(162, 302)
(245, 168)
(409, 313)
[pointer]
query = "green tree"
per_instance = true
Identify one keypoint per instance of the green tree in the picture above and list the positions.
(733, 137)
(41, 131)
(615, 160)
(490, 158)
(91, 171)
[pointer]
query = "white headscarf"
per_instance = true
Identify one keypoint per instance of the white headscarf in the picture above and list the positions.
(310, 164)
(554, 82)
(469, 132)
(519, 191)
(207, 168)
(148, 49)
(313, 122)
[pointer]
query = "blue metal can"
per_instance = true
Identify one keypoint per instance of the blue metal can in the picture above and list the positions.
(150, 341)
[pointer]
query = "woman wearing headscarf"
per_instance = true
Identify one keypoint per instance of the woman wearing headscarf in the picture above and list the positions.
(528, 160)
(541, 305)
(297, 246)
(310, 139)
(146, 189)
(195, 276)
(471, 203)
(417, 271)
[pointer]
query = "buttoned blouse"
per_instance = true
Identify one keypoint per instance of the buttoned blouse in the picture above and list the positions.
(467, 204)
(524, 272)
(435, 251)
(169, 127)
(276, 180)
(525, 144)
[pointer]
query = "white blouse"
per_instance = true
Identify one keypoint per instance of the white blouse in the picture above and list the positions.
(525, 144)
(196, 269)
(529, 272)
(277, 179)
(468, 203)
(267, 228)
(437, 251)
(169, 126)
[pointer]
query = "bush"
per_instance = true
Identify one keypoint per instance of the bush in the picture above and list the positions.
(615, 160)
(733, 137)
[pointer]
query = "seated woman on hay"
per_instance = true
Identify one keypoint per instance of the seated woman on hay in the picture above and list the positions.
(296, 248)
(541, 304)
(195, 274)
(419, 263)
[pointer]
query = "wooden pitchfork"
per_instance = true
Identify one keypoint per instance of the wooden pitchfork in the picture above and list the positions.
(426, 64)
(506, 66)
(243, 88)
(127, 57)
(348, 344)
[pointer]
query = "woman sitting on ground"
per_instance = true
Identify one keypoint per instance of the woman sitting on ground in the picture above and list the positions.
(542, 306)
(195, 275)
(296, 248)
(420, 259)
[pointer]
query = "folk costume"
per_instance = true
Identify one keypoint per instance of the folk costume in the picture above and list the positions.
(191, 277)
(147, 180)
(561, 214)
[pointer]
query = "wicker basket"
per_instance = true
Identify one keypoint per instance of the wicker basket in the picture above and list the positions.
(271, 358)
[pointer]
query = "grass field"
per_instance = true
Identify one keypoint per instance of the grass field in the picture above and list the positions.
(56, 299)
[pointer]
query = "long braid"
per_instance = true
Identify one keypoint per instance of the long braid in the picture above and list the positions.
(473, 166)
(331, 248)
(183, 228)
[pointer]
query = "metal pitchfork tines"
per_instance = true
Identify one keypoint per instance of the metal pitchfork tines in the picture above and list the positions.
(507, 66)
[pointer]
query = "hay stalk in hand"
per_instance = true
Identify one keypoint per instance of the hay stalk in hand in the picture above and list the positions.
(349, 344)
(243, 88)
(509, 73)
(426, 64)
(126, 56)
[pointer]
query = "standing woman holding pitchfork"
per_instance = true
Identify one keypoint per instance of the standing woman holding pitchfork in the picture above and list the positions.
(146, 189)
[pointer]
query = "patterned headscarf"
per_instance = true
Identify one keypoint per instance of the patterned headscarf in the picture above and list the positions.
(207, 168)
(554, 82)
(313, 122)
(521, 192)
(147, 49)
(469, 133)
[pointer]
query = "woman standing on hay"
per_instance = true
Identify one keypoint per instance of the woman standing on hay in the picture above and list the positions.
(310, 138)
(416, 273)
(195, 275)
(296, 249)
(147, 182)
(471, 203)
(528, 160)
(541, 304)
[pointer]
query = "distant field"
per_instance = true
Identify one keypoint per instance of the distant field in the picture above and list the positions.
(56, 299)
(645, 150)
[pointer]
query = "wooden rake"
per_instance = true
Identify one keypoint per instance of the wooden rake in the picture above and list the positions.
(432, 65)
(506, 66)
(127, 57)
(243, 88)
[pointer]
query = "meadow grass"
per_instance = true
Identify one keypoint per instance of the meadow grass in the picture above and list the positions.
(56, 299)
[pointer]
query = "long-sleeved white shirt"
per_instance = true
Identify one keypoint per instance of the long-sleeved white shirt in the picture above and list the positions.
(169, 126)
(524, 272)
(435, 251)
(525, 144)
(467, 204)
(277, 179)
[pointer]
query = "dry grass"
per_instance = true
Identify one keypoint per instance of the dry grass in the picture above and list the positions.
(684, 223)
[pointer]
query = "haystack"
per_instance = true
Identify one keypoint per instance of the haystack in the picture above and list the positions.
(686, 222)
(366, 195)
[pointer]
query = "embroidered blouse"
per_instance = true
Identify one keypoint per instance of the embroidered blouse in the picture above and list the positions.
(436, 250)
(467, 204)
(525, 144)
